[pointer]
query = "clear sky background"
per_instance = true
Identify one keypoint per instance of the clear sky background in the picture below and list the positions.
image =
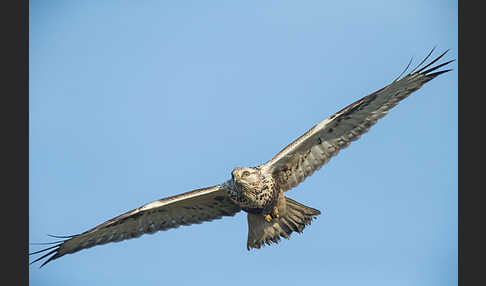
(134, 101)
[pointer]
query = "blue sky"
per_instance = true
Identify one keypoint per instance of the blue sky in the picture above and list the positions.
(133, 101)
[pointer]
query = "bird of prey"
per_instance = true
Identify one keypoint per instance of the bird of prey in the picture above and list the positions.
(259, 191)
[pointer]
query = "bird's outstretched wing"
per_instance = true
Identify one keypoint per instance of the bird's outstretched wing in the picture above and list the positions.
(185, 209)
(313, 149)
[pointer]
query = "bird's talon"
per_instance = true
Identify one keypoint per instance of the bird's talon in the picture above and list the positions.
(268, 218)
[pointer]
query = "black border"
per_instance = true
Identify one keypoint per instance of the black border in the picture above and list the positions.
(471, 223)
(15, 119)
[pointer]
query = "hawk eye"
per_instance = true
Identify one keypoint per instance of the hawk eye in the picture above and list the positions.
(245, 174)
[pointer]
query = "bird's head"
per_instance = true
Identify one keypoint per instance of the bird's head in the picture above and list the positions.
(246, 177)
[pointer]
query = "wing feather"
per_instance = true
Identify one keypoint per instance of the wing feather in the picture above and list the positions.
(317, 146)
(185, 209)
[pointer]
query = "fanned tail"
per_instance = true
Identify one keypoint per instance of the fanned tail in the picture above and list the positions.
(293, 216)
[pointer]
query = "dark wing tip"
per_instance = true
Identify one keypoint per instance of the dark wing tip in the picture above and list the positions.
(427, 72)
(54, 252)
(54, 249)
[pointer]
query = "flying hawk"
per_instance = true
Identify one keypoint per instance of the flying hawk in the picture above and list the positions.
(259, 191)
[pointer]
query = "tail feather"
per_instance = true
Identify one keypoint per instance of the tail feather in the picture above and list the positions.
(293, 217)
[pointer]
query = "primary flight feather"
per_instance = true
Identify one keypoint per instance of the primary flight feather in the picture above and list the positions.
(259, 191)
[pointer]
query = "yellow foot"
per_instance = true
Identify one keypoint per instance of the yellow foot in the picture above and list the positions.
(268, 218)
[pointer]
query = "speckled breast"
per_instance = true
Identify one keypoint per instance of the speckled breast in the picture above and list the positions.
(258, 200)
